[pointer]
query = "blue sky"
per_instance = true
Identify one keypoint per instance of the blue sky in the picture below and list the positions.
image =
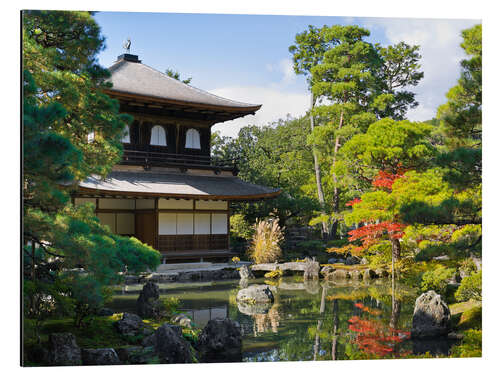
(246, 58)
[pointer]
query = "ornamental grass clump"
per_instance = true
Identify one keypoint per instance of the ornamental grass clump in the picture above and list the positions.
(265, 246)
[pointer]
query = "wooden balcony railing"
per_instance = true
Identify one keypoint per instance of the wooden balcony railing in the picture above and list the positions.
(162, 159)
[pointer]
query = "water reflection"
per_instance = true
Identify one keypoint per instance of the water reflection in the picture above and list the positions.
(307, 321)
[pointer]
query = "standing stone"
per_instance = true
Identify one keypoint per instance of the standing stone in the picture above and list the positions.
(245, 272)
(311, 269)
(147, 303)
(220, 341)
(170, 346)
(255, 294)
(431, 316)
(105, 356)
(63, 350)
(129, 325)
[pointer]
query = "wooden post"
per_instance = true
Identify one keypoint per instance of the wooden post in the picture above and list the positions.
(228, 225)
(157, 221)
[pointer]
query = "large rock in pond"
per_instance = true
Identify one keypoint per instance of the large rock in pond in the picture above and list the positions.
(311, 269)
(170, 346)
(220, 341)
(253, 308)
(104, 356)
(255, 294)
(245, 272)
(431, 316)
(130, 325)
(147, 303)
(63, 350)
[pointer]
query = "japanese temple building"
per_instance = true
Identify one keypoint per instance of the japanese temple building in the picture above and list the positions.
(167, 191)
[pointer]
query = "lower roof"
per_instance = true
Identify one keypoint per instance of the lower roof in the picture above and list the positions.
(175, 185)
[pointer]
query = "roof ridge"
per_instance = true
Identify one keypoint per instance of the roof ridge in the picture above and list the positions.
(196, 88)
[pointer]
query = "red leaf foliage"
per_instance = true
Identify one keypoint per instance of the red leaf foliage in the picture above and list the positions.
(385, 180)
(369, 234)
(373, 337)
(353, 202)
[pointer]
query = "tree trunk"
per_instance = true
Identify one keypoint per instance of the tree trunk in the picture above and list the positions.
(320, 322)
(335, 328)
(317, 173)
(396, 249)
(336, 192)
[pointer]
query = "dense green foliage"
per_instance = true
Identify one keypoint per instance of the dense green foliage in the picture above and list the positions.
(470, 287)
(64, 102)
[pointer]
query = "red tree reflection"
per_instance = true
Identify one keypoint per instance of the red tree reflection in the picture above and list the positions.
(376, 338)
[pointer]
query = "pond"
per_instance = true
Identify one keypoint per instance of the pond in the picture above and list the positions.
(307, 321)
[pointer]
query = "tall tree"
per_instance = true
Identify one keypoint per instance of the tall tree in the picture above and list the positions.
(63, 104)
(308, 51)
(383, 155)
(461, 117)
(358, 82)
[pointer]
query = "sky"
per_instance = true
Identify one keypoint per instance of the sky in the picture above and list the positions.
(246, 57)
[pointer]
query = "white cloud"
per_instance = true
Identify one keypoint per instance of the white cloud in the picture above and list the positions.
(439, 42)
(286, 67)
(276, 103)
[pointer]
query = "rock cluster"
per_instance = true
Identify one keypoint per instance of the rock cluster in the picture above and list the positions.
(130, 325)
(63, 350)
(104, 356)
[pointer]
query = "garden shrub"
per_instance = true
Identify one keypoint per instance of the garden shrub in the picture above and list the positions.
(266, 242)
(436, 279)
(471, 345)
(274, 274)
(170, 305)
(314, 245)
(240, 228)
(471, 318)
(467, 266)
(470, 288)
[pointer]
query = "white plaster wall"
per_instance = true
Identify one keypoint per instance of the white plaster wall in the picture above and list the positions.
(144, 204)
(120, 204)
(219, 224)
(201, 223)
(211, 205)
(175, 203)
(167, 223)
(185, 224)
